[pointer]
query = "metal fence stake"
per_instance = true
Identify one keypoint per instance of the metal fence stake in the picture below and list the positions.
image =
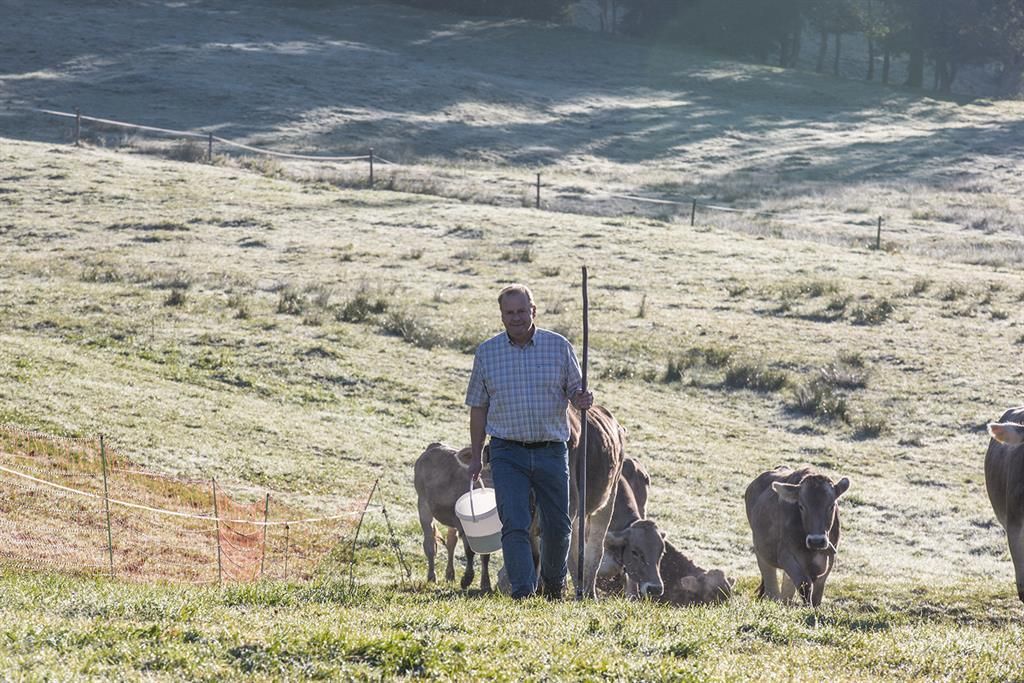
(78, 127)
(209, 149)
(538, 190)
(693, 212)
(878, 235)
(371, 168)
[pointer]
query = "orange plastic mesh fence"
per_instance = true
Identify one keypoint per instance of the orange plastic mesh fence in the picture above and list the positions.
(53, 515)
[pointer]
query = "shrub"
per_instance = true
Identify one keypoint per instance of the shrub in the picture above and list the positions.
(188, 150)
(953, 292)
(920, 286)
(523, 256)
(819, 398)
(412, 329)
(175, 298)
(756, 376)
(874, 314)
(870, 426)
(843, 376)
(290, 301)
(363, 304)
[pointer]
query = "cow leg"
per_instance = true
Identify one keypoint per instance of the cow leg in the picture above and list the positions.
(818, 590)
(429, 540)
(469, 575)
(597, 529)
(449, 542)
(769, 580)
(788, 588)
(1015, 537)
(485, 573)
(797, 575)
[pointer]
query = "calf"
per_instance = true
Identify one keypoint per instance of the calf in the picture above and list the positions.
(441, 476)
(1004, 480)
(639, 482)
(688, 584)
(794, 517)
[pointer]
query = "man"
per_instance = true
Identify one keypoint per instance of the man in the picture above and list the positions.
(522, 383)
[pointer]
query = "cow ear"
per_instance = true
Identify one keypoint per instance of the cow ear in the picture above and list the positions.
(841, 486)
(1009, 433)
(787, 492)
(615, 539)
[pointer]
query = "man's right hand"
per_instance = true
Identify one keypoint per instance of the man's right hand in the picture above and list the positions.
(476, 465)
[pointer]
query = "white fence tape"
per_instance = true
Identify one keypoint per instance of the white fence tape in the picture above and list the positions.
(175, 513)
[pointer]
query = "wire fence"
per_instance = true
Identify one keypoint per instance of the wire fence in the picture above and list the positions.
(78, 506)
(693, 203)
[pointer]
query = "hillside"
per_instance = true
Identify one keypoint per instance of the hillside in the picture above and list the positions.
(476, 107)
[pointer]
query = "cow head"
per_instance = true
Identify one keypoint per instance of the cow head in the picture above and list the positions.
(638, 548)
(816, 498)
(707, 588)
(1009, 433)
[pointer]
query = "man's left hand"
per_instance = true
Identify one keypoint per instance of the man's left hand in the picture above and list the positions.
(583, 400)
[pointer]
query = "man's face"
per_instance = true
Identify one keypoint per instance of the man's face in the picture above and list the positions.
(517, 314)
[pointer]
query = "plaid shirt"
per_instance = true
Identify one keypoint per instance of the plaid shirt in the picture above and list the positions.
(525, 390)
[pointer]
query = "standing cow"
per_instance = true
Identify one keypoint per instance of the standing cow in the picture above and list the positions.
(1004, 479)
(605, 446)
(794, 517)
(441, 476)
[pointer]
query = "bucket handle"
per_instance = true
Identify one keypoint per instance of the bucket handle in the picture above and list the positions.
(472, 510)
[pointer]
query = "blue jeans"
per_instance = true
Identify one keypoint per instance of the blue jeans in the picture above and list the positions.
(545, 471)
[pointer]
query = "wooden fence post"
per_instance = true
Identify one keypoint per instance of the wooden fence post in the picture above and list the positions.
(538, 190)
(78, 127)
(693, 212)
(209, 148)
(266, 515)
(106, 505)
(216, 516)
(371, 168)
(878, 235)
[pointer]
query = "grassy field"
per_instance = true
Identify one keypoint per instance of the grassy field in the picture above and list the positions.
(307, 339)
(280, 328)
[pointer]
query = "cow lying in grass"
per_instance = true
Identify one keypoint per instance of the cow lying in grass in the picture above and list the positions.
(794, 517)
(441, 476)
(633, 543)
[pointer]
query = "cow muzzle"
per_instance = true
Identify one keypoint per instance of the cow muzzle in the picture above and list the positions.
(651, 590)
(816, 541)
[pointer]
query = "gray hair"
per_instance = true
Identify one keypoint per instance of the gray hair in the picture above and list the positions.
(516, 289)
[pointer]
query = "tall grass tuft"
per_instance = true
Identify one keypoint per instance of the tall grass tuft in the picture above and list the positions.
(872, 314)
(754, 375)
(363, 304)
(819, 398)
(412, 328)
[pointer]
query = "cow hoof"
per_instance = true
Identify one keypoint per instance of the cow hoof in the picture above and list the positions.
(467, 579)
(1020, 594)
(449, 576)
(431, 578)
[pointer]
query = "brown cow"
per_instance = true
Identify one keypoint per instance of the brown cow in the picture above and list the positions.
(794, 518)
(688, 584)
(639, 482)
(1004, 479)
(441, 476)
(633, 546)
(605, 445)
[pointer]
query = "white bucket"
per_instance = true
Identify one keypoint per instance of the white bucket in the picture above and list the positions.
(478, 512)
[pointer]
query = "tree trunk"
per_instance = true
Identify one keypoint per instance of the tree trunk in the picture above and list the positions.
(915, 70)
(835, 63)
(871, 59)
(822, 51)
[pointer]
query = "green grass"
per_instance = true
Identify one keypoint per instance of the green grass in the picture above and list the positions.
(92, 628)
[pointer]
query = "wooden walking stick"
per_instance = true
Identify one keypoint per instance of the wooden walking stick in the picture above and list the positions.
(581, 453)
